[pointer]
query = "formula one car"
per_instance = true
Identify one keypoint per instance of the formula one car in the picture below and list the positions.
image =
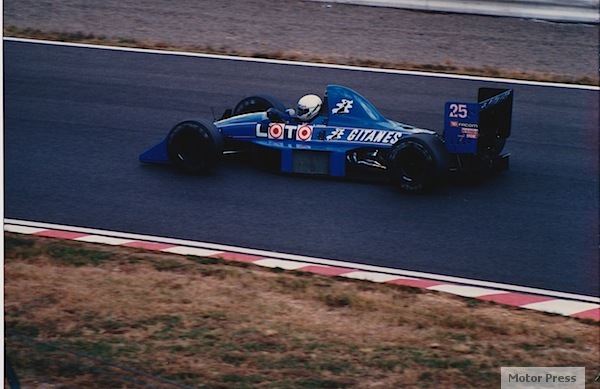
(348, 137)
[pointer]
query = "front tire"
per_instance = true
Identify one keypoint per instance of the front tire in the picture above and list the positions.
(418, 163)
(195, 146)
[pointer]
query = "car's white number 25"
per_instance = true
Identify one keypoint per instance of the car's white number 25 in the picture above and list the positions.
(458, 111)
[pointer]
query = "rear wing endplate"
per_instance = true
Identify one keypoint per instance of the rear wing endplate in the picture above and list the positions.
(469, 128)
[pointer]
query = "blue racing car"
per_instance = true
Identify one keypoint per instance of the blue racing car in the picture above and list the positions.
(343, 135)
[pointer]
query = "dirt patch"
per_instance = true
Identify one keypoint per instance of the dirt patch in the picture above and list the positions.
(85, 315)
(333, 33)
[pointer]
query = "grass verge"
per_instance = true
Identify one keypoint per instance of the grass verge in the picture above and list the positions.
(85, 315)
(295, 55)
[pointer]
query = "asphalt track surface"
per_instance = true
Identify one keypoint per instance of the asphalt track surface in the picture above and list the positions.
(76, 120)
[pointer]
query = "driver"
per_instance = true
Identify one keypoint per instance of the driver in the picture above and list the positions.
(307, 109)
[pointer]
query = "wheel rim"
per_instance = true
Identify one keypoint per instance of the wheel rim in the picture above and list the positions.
(412, 165)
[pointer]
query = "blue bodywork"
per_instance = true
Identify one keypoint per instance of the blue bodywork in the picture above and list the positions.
(348, 136)
(348, 122)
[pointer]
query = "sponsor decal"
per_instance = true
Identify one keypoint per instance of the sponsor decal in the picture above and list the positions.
(304, 132)
(275, 131)
(337, 134)
(470, 133)
(467, 130)
(364, 135)
(343, 107)
(495, 100)
(281, 131)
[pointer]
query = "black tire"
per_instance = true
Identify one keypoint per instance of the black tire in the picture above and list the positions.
(417, 163)
(258, 103)
(195, 146)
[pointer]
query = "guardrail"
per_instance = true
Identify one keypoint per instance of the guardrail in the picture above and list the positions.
(571, 11)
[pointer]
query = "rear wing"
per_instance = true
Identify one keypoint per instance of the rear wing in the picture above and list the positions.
(470, 128)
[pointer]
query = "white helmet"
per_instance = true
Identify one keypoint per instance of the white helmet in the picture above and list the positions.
(309, 107)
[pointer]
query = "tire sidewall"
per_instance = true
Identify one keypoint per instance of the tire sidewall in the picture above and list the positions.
(194, 146)
(417, 163)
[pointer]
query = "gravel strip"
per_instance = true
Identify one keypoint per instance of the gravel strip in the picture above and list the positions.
(333, 32)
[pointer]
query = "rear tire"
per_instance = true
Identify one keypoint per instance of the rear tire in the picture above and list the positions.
(195, 146)
(258, 103)
(418, 163)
